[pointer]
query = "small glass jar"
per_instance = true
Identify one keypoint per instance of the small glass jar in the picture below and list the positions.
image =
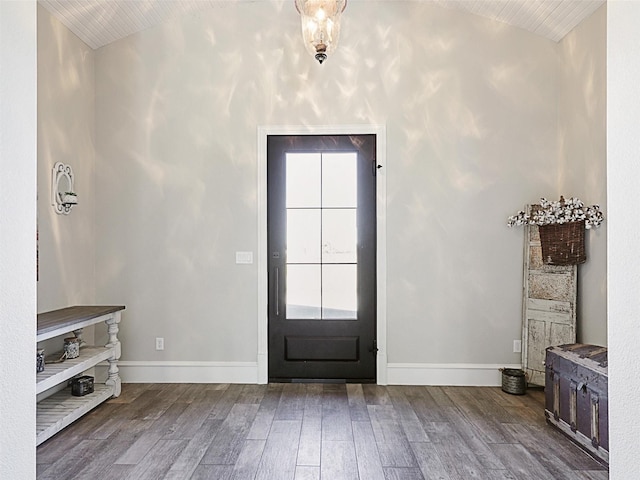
(40, 360)
(71, 347)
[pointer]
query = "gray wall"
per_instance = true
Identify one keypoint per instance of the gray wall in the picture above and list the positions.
(66, 132)
(582, 158)
(471, 109)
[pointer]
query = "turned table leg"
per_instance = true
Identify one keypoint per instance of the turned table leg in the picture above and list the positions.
(114, 375)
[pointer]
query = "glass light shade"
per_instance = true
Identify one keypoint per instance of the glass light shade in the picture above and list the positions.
(320, 25)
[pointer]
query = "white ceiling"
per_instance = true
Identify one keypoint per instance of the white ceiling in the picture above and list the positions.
(99, 22)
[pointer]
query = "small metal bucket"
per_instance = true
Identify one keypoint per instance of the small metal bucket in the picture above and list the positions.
(514, 381)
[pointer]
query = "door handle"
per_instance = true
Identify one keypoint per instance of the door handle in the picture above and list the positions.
(277, 289)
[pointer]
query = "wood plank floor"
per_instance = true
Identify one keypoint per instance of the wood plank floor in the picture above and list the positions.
(314, 431)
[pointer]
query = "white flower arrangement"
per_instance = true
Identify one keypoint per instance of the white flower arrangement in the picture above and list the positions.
(562, 211)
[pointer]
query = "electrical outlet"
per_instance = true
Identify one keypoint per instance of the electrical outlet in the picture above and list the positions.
(517, 346)
(159, 343)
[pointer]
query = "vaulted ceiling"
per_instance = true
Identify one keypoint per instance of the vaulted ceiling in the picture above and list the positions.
(100, 22)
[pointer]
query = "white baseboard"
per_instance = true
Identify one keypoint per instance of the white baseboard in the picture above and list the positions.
(435, 374)
(188, 372)
(450, 374)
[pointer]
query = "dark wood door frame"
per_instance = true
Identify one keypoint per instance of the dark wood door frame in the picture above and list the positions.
(261, 372)
(304, 344)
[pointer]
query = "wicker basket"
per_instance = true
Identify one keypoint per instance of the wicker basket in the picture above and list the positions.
(563, 244)
(514, 381)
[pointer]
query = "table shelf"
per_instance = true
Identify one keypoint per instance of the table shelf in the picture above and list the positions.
(56, 373)
(61, 408)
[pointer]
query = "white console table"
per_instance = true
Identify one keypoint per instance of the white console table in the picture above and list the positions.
(60, 409)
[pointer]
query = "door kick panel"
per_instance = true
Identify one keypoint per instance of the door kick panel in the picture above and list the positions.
(344, 349)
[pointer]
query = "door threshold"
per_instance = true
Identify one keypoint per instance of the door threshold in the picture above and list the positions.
(322, 380)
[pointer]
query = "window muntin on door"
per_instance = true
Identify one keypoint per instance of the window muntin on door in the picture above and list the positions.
(322, 235)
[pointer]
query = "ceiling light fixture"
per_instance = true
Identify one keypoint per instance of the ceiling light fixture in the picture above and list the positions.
(320, 25)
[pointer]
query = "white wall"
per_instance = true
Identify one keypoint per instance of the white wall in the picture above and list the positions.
(17, 239)
(623, 172)
(582, 158)
(66, 119)
(470, 110)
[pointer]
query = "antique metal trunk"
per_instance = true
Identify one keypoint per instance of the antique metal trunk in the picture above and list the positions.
(576, 399)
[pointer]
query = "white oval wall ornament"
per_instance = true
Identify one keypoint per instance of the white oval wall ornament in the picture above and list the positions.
(63, 196)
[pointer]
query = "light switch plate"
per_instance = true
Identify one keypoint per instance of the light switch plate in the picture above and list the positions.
(244, 257)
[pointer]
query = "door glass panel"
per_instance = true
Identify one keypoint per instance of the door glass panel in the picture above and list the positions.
(303, 235)
(303, 291)
(339, 179)
(339, 235)
(322, 236)
(339, 291)
(303, 179)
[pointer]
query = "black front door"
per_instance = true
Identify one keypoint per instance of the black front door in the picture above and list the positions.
(322, 257)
